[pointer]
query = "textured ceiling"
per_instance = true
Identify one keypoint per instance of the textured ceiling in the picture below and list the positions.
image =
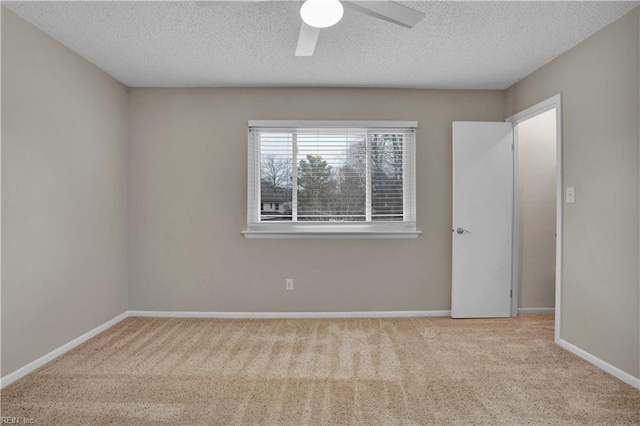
(462, 45)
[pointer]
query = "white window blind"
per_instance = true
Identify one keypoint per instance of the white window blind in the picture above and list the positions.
(331, 178)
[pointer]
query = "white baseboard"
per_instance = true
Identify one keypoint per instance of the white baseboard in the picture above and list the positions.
(536, 310)
(10, 378)
(248, 315)
(614, 371)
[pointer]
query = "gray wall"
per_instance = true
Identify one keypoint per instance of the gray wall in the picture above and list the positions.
(599, 81)
(64, 204)
(537, 211)
(187, 204)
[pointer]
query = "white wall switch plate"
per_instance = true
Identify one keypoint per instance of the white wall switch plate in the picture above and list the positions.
(571, 195)
(289, 284)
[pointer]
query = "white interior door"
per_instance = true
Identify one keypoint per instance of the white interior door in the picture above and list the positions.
(482, 219)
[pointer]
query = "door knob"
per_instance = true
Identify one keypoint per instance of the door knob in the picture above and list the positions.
(461, 231)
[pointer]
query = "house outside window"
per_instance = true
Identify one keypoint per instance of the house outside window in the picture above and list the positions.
(321, 178)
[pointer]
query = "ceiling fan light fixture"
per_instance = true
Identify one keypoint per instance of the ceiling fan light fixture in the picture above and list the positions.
(321, 13)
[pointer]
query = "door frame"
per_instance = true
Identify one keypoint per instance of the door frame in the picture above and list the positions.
(541, 107)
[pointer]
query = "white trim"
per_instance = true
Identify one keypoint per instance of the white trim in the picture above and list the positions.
(614, 371)
(332, 123)
(544, 106)
(331, 234)
(536, 310)
(559, 213)
(251, 315)
(536, 109)
(12, 377)
(294, 180)
(515, 224)
(367, 192)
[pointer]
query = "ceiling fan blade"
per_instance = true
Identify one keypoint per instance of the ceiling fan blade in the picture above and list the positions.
(389, 11)
(307, 40)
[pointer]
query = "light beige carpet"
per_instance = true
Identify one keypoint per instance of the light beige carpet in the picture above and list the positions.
(418, 371)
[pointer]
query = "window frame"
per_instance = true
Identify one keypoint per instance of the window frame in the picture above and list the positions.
(261, 229)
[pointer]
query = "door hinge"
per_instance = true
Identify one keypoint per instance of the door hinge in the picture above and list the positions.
(511, 146)
(510, 293)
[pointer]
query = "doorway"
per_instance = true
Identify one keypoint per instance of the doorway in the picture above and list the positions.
(537, 210)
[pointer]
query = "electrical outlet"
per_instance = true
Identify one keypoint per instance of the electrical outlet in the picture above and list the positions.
(571, 195)
(289, 284)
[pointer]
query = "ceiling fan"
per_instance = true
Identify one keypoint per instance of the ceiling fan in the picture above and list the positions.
(318, 14)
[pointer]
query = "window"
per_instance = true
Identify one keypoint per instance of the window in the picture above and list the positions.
(323, 178)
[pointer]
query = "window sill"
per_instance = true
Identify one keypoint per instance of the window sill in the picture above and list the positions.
(398, 234)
